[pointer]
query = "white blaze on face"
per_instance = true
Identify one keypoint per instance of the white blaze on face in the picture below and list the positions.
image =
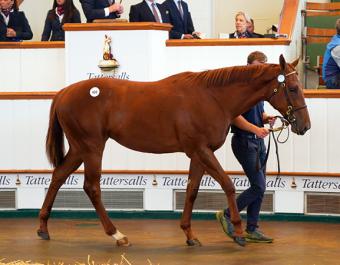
(94, 92)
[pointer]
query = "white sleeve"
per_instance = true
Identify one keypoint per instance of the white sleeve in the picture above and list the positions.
(107, 11)
(336, 54)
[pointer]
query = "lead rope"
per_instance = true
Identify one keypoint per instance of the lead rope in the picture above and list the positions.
(277, 140)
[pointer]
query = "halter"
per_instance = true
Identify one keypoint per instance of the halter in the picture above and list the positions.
(290, 108)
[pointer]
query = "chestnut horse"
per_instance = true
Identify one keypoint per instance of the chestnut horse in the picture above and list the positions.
(187, 112)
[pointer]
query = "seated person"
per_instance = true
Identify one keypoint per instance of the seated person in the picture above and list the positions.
(251, 28)
(101, 9)
(180, 19)
(331, 61)
(241, 22)
(14, 25)
(148, 11)
(63, 11)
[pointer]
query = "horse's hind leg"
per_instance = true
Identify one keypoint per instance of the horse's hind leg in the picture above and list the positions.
(214, 168)
(196, 172)
(92, 165)
(60, 174)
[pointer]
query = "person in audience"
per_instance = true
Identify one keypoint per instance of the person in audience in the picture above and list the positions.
(331, 61)
(63, 11)
(241, 22)
(251, 28)
(14, 25)
(249, 149)
(101, 9)
(180, 19)
(148, 11)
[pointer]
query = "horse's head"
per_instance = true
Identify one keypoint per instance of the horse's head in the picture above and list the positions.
(288, 98)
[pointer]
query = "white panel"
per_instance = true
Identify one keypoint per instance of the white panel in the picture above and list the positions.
(289, 202)
(301, 150)
(182, 161)
(158, 199)
(212, 57)
(231, 162)
(48, 71)
(221, 156)
(10, 70)
(333, 135)
(6, 134)
(133, 59)
(38, 125)
(167, 161)
(36, 197)
(115, 156)
(318, 134)
(22, 135)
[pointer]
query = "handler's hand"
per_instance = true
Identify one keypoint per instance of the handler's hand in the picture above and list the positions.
(261, 132)
(270, 120)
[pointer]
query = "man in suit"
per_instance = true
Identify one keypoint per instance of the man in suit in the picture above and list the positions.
(100, 9)
(148, 11)
(180, 19)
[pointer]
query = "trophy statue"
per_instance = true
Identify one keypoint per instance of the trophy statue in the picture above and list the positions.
(109, 62)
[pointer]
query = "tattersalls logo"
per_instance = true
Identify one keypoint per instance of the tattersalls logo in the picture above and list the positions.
(108, 64)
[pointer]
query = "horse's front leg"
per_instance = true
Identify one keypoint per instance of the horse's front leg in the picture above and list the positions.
(196, 172)
(214, 168)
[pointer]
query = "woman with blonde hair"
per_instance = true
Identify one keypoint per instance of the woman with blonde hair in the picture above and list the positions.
(241, 22)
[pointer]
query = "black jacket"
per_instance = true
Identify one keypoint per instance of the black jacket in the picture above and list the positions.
(53, 25)
(94, 9)
(142, 13)
(19, 23)
(248, 34)
(180, 26)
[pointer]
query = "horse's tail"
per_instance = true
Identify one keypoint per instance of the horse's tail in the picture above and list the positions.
(55, 149)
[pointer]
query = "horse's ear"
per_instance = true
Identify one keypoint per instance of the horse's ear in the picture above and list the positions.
(295, 62)
(282, 62)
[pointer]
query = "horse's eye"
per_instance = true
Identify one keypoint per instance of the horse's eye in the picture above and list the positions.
(293, 89)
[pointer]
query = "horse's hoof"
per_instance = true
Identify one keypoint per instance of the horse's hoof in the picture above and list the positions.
(194, 242)
(240, 240)
(43, 235)
(124, 242)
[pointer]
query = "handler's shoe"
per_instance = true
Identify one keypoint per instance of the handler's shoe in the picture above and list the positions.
(257, 237)
(226, 224)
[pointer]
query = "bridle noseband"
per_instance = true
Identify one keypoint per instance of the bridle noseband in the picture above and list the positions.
(290, 108)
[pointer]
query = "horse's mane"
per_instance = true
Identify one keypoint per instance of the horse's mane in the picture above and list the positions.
(223, 76)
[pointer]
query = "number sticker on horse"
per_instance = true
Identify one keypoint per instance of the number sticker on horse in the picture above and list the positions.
(94, 92)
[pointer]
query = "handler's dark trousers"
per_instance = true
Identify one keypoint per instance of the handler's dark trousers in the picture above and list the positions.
(250, 152)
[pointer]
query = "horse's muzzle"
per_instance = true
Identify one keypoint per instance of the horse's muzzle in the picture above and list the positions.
(299, 131)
